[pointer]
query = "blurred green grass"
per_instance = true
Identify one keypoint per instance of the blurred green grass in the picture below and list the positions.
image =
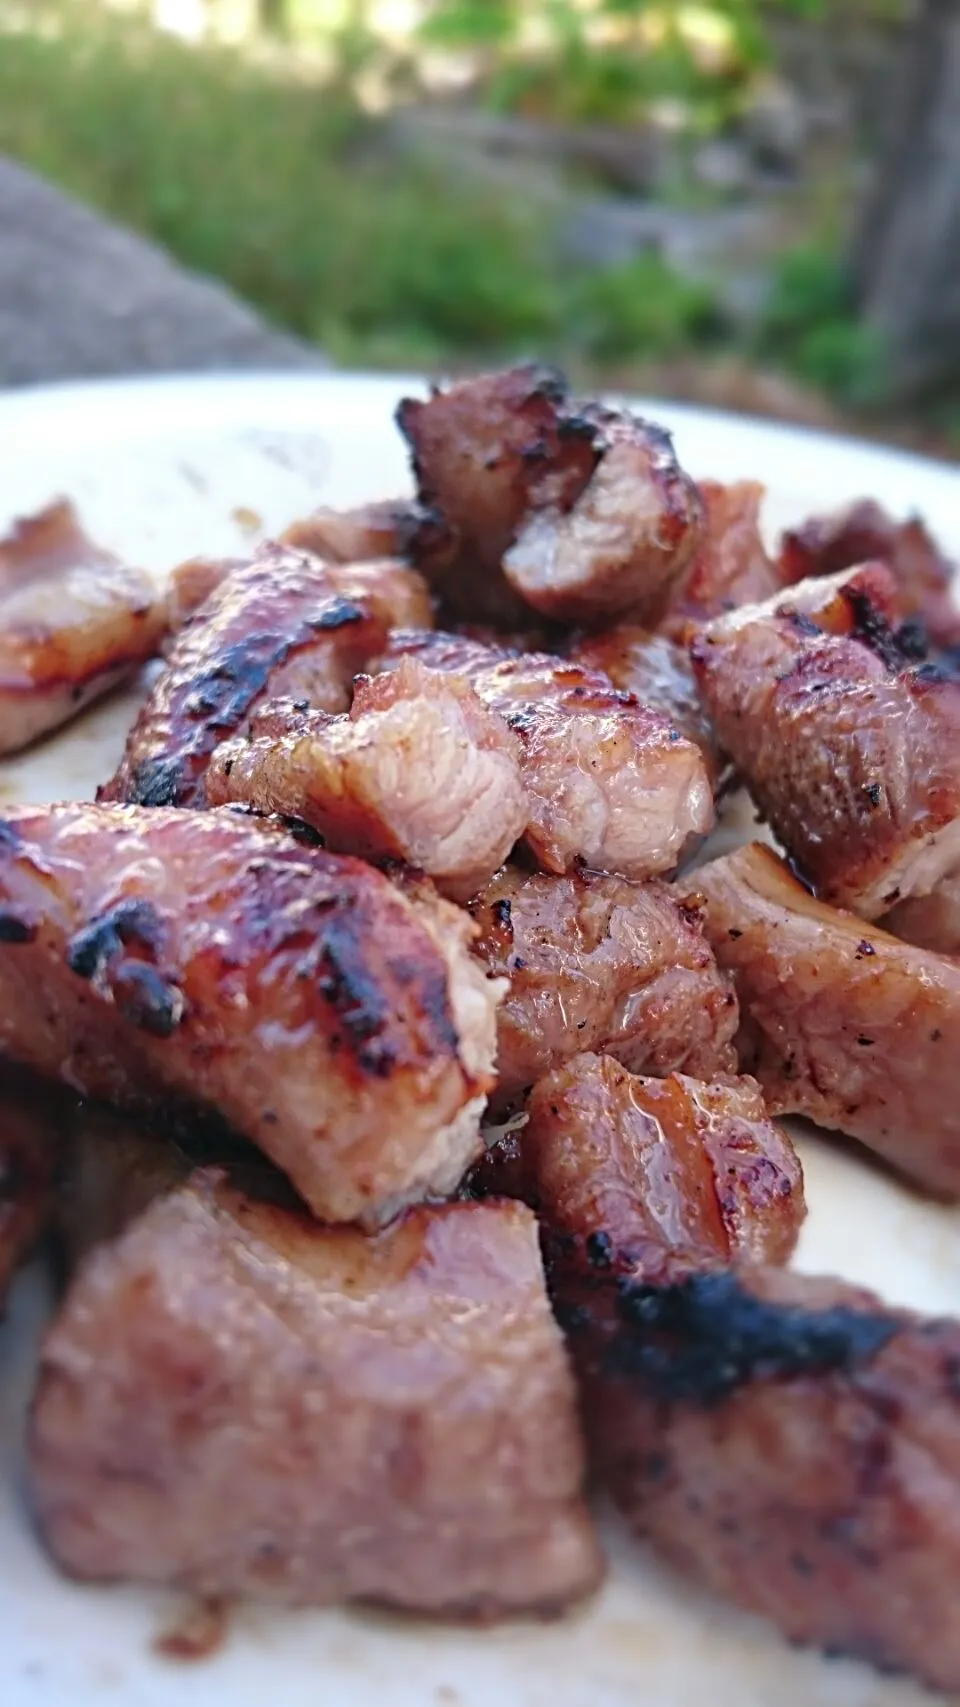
(271, 180)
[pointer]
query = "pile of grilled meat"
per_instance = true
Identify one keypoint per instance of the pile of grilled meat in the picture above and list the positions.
(406, 1121)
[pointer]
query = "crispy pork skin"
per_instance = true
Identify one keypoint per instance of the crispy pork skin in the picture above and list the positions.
(865, 532)
(576, 511)
(610, 783)
(794, 1444)
(840, 1021)
(75, 621)
(237, 1401)
(282, 624)
(850, 748)
(658, 671)
(419, 770)
(601, 963)
(214, 961)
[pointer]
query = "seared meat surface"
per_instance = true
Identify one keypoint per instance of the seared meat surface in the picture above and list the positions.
(610, 784)
(601, 963)
(731, 565)
(850, 748)
(794, 1444)
(840, 1021)
(576, 511)
(237, 1401)
(212, 961)
(283, 624)
(74, 622)
(658, 671)
(865, 532)
(419, 770)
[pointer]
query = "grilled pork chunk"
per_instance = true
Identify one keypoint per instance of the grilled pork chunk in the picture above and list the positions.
(794, 1444)
(864, 532)
(610, 784)
(850, 749)
(419, 770)
(237, 1401)
(601, 963)
(576, 511)
(658, 671)
(283, 624)
(74, 622)
(731, 565)
(840, 1021)
(212, 961)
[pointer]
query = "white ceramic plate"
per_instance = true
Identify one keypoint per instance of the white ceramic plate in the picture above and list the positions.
(163, 469)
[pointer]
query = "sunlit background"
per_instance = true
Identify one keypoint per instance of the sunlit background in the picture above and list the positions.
(692, 198)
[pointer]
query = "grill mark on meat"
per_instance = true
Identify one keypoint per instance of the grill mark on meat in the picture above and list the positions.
(13, 929)
(128, 924)
(224, 695)
(870, 625)
(157, 782)
(139, 990)
(700, 1339)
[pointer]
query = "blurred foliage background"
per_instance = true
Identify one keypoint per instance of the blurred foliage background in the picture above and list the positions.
(648, 191)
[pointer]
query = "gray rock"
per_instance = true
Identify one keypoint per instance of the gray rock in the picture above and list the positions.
(81, 297)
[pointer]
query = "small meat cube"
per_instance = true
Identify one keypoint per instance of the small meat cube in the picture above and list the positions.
(849, 747)
(839, 1021)
(236, 1401)
(75, 621)
(865, 532)
(731, 566)
(658, 671)
(577, 511)
(610, 784)
(282, 624)
(601, 963)
(644, 1173)
(212, 961)
(419, 770)
(793, 1444)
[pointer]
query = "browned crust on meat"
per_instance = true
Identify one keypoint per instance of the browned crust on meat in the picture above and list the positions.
(863, 532)
(601, 963)
(731, 565)
(840, 1021)
(213, 961)
(74, 622)
(275, 619)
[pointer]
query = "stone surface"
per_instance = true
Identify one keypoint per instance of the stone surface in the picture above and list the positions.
(81, 297)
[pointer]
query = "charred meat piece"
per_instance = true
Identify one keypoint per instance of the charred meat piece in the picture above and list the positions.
(849, 747)
(74, 622)
(610, 784)
(731, 566)
(657, 670)
(32, 1115)
(419, 770)
(794, 1444)
(648, 1171)
(212, 961)
(575, 510)
(839, 1021)
(236, 1401)
(283, 624)
(864, 532)
(601, 963)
